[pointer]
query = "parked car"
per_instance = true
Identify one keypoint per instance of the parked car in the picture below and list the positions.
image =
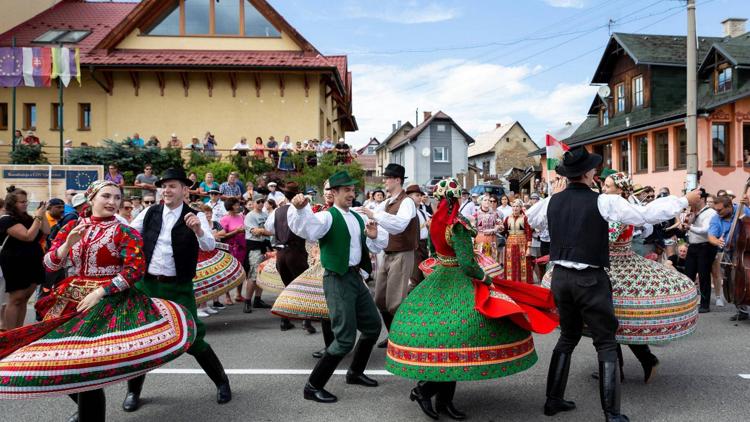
(429, 186)
(491, 189)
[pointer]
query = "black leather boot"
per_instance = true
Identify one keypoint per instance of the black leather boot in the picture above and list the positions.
(609, 391)
(328, 337)
(213, 368)
(286, 325)
(356, 372)
(648, 360)
(92, 406)
(422, 394)
(248, 306)
(133, 399)
(74, 416)
(620, 361)
(259, 304)
(444, 401)
(307, 325)
(314, 389)
(557, 380)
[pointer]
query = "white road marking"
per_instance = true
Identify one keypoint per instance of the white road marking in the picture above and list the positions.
(377, 372)
(745, 376)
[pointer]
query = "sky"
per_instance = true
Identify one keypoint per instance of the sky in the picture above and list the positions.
(483, 61)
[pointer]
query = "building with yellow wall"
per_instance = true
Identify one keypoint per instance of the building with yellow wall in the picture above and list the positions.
(234, 68)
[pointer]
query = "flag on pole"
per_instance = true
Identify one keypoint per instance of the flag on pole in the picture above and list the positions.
(555, 151)
(66, 65)
(37, 66)
(11, 67)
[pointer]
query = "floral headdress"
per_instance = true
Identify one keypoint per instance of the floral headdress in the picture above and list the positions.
(447, 188)
(622, 181)
(98, 185)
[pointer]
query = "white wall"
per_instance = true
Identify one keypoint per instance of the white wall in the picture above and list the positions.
(460, 151)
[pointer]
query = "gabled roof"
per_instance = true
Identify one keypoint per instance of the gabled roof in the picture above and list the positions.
(486, 142)
(372, 141)
(394, 136)
(661, 50)
(736, 50)
(414, 133)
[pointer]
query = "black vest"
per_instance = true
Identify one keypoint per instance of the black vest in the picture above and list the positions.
(184, 243)
(577, 231)
(284, 234)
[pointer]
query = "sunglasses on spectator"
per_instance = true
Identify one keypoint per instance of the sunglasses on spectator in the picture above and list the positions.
(260, 201)
(128, 208)
(148, 202)
(492, 200)
(650, 197)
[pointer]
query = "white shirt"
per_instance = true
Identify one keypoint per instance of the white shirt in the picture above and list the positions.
(219, 210)
(313, 226)
(468, 209)
(162, 261)
(395, 223)
(423, 230)
(276, 196)
(504, 211)
(241, 147)
(698, 232)
(615, 209)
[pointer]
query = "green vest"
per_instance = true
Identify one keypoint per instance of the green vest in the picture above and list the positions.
(334, 246)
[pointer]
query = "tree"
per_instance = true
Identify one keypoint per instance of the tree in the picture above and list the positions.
(129, 159)
(28, 154)
(315, 176)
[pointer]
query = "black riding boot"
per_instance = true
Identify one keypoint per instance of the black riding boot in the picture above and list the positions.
(387, 320)
(557, 380)
(133, 398)
(325, 326)
(620, 361)
(213, 368)
(609, 391)
(74, 416)
(315, 387)
(648, 360)
(92, 406)
(422, 394)
(444, 401)
(356, 372)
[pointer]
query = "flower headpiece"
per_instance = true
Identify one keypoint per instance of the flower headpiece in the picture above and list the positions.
(623, 182)
(447, 188)
(98, 185)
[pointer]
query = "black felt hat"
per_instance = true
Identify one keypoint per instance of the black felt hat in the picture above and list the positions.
(174, 174)
(578, 161)
(394, 170)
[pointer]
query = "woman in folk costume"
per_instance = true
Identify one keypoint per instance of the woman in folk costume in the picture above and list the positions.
(456, 325)
(97, 330)
(517, 261)
(487, 223)
(653, 303)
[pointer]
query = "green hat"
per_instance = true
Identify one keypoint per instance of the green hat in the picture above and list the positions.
(341, 178)
(606, 172)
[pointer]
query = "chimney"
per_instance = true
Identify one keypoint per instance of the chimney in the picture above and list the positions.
(734, 27)
(398, 125)
(394, 127)
(498, 125)
(427, 115)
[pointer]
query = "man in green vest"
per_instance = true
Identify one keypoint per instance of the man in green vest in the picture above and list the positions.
(344, 242)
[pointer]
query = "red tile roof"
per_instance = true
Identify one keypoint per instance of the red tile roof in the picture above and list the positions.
(368, 162)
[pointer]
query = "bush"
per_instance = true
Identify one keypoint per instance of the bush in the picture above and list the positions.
(220, 170)
(28, 154)
(315, 176)
(129, 159)
(198, 159)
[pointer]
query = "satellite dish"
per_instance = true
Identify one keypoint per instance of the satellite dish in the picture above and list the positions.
(425, 152)
(604, 91)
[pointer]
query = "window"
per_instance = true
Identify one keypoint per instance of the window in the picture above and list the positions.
(486, 167)
(720, 144)
(746, 144)
(3, 116)
(84, 116)
(212, 17)
(370, 150)
(681, 140)
(29, 116)
(62, 36)
(440, 154)
(54, 115)
(641, 150)
(625, 156)
(603, 117)
(724, 80)
(441, 128)
(661, 148)
(620, 97)
(605, 150)
(637, 91)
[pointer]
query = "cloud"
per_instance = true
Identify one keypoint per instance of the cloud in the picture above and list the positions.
(575, 4)
(403, 12)
(476, 95)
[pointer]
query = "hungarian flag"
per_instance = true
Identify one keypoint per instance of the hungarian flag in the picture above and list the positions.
(555, 151)
(37, 66)
(11, 67)
(66, 65)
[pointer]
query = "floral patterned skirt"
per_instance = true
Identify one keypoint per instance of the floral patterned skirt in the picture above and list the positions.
(125, 335)
(437, 335)
(217, 273)
(517, 264)
(486, 244)
(303, 298)
(653, 303)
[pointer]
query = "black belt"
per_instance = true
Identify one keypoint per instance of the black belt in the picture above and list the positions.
(164, 278)
(354, 268)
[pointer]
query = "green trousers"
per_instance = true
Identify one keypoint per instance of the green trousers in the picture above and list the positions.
(181, 293)
(351, 308)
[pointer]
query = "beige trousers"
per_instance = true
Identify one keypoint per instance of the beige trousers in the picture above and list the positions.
(392, 281)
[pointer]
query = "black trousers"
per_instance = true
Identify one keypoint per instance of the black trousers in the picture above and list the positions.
(700, 258)
(290, 263)
(585, 296)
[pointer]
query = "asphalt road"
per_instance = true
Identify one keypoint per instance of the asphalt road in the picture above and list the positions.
(698, 380)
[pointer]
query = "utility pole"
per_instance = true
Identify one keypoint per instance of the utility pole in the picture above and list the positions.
(691, 123)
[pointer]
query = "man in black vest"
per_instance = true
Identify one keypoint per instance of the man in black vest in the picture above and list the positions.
(577, 218)
(172, 235)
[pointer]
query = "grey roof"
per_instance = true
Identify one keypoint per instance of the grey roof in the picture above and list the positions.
(414, 133)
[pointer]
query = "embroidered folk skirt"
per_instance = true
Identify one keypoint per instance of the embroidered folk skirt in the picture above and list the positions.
(269, 278)
(517, 265)
(303, 298)
(217, 273)
(125, 335)
(437, 335)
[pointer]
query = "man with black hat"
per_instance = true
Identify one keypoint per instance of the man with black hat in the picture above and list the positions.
(577, 218)
(172, 235)
(398, 216)
(344, 242)
(291, 255)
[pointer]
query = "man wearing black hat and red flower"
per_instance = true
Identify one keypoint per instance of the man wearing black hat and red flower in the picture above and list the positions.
(398, 216)
(172, 235)
(578, 222)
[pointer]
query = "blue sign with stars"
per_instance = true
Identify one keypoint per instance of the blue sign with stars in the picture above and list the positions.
(80, 179)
